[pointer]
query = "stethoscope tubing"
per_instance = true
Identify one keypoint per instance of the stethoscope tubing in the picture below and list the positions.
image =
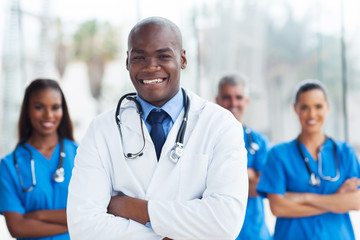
(179, 142)
(253, 146)
(315, 180)
(59, 173)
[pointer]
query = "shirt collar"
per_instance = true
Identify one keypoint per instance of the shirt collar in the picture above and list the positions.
(173, 107)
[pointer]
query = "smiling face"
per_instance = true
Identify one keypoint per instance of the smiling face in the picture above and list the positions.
(312, 109)
(154, 61)
(232, 97)
(45, 112)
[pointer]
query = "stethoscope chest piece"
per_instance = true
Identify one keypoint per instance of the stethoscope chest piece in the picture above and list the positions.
(314, 180)
(59, 175)
(176, 152)
(253, 148)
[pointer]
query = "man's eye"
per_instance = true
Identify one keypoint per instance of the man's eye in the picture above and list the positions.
(319, 106)
(226, 97)
(164, 56)
(138, 58)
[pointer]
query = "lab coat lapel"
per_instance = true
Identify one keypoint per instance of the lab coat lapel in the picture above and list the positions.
(129, 118)
(132, 124)
(129, 179)
(168, 172)
(196, 106)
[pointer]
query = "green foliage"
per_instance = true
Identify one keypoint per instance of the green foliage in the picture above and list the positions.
(96, 40)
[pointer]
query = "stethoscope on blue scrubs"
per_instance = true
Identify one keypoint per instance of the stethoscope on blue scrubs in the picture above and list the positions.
(59, 173)
(253, 146)
(177, 150)
(315, 180)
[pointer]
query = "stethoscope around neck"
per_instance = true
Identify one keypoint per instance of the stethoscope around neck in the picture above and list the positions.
(177, 150)
(315, 180)
(58, 176)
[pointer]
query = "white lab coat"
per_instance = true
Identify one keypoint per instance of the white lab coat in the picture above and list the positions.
(203, 196)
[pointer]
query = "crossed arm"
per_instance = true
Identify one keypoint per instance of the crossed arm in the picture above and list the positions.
(37, 224)
(294, 204)
(130, 208)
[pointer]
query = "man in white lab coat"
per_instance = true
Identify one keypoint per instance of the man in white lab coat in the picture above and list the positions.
(203, 195)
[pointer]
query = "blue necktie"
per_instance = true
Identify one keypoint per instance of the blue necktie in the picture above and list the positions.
(157, 133)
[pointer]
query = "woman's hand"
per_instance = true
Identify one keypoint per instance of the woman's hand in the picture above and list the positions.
(346, 198)
(296, 197)
(29, 227)
(350, 185)
(33, 215)
(50, 216)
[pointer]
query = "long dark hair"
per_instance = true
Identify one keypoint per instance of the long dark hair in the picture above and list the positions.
(25, 129)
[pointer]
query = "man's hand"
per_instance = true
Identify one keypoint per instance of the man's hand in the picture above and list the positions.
(117, 206)
(253, 181)
(130, 208)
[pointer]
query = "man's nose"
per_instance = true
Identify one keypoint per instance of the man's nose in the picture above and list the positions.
(151, 65)
(232, 102)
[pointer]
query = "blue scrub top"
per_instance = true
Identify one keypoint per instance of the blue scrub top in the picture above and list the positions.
(47, 193)
(285, 170)
(254, 226)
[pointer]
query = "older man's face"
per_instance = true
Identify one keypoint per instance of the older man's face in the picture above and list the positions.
(154, 61)
(233, 99)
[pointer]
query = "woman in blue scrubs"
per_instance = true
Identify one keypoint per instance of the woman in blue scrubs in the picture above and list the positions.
(312, 182)
(33, 194)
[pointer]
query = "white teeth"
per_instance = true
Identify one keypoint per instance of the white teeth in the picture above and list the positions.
(47, 124)
(158, 80)
(312, 122)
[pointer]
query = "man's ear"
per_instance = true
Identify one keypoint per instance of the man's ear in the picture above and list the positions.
(183, 59)
(127, 60)
(247, 100)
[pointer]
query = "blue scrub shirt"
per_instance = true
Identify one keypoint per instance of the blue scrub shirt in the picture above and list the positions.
(254, 226)
(47, 193)
(285, 170)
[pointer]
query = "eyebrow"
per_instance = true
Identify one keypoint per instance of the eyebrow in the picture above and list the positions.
(157, 51)
(137, 51)
(44, 103)
(163, 50)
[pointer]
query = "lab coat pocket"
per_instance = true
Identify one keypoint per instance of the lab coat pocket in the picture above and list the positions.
(193, 173)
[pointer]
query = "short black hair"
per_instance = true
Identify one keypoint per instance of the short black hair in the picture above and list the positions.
(160, 21)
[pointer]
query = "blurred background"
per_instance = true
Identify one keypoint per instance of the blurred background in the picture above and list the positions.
(276, 43)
